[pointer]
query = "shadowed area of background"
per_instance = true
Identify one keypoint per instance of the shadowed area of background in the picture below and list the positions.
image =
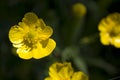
(77, 37)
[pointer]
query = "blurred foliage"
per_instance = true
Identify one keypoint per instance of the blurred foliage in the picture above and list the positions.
(77, 39)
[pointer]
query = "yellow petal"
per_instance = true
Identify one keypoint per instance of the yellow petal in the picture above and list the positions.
(53, 71)
(105, 38)
(116, 42)
(41, 24)
(18, 45)
(79, 76)
(106, 25)
(24, 52)
(44, 49)
(115, 17)
(67, 70)
(66, 73)
(16, 34)
(30, 18)
(102, 26)
(49, 78)
(57, 70)
(46, 33)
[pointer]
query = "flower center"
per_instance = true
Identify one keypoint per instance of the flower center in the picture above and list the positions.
(115, 31)
(30, 40)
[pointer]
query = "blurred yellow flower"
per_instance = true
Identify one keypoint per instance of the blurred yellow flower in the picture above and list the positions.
(109, 28)
(79, 9)
(64, 71)
(31, 37)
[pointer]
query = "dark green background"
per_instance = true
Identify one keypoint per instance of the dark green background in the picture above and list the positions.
(98, 61)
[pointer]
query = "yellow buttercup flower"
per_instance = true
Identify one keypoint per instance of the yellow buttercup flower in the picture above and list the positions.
(79, 9)
(64, 71)
(31, 37)
(109, 28)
